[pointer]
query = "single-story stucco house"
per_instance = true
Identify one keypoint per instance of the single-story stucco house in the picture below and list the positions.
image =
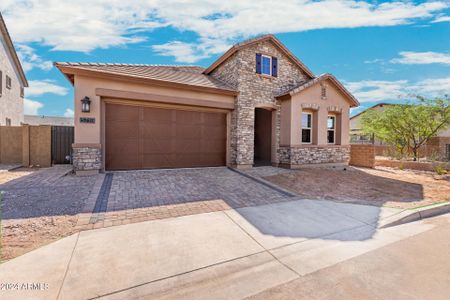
(256, 104)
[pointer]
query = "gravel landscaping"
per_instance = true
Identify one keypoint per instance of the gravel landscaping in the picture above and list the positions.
(39, 206)
(381, 186)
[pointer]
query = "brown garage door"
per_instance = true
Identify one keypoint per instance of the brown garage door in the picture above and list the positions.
(140, 137)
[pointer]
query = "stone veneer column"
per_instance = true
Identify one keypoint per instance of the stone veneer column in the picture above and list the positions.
(87, 159)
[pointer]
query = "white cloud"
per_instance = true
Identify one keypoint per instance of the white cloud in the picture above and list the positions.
(441, 18)
(69, 25)
(422, 58)
(69, 113)
(379, 90)
(31, 107)
(29, 59)
(191, 52)
(40, 87)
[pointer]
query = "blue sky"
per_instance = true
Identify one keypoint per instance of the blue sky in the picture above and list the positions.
(382, 51)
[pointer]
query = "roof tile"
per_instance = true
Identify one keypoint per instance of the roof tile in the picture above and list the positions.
(189, 75)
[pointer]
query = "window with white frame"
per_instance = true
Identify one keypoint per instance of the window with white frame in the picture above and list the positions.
(266, 65)
(306, 128)
(331, 129)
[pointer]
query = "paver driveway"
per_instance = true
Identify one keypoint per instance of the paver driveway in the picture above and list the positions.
(136, 196)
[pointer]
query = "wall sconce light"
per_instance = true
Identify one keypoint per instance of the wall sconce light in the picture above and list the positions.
(86, 104)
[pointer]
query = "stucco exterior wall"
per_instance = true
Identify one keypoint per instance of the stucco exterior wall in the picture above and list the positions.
(239, 71)
(86, 133)
(11, 104)
(310, 100)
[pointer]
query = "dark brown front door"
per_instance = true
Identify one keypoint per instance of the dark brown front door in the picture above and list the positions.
(139, 137)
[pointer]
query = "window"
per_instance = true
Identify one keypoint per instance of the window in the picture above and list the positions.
(1, 83)
(22, 92)
(8, 82)
(8, 122)
(306, 128)
(266, 65)
(331, 129)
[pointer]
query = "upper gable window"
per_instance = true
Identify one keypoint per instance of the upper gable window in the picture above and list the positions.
(266, 65)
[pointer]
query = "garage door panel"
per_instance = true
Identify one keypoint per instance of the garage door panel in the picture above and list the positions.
(123, 113)
(163, 138)
(188, 132)
(156, 131)
(152, 146)
(158, 160)
(158, 115)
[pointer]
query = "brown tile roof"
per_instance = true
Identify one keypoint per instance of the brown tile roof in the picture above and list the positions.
(304, 85)
(183, 75)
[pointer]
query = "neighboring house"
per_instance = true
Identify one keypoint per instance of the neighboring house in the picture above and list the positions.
(356, 134)
(256, 104)
(12, 81)
(438, 146)
(47, 120)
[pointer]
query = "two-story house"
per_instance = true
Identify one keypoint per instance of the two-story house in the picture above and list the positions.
(257, 104)
(12, 81)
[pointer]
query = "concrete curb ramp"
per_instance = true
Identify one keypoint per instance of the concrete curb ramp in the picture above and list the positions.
(221, 255)
(417, 214)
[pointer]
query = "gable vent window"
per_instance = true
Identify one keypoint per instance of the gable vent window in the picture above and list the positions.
(8, 82)
(266, 65)
(22, 92)
(323, 91)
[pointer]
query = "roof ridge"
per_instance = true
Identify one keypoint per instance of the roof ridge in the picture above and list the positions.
(123, 64)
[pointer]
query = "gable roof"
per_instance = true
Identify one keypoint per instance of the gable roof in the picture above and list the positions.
(304, 85)
(12, 51)
(182, 76)
(267, 37)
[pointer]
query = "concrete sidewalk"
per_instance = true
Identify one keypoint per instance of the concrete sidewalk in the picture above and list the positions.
(219, 255)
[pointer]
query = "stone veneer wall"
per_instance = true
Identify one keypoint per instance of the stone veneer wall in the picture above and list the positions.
(291, 156)
(87, 158)
(239, 71)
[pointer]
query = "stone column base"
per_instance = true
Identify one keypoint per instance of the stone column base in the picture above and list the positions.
(87, 159)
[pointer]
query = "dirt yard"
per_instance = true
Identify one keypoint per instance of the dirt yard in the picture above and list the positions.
(38, 206)
(380, 186)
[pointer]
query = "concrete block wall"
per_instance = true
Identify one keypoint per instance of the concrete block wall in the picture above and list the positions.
(26, 145)
(362, 155)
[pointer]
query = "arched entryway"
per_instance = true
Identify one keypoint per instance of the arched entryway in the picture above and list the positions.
(263, 137)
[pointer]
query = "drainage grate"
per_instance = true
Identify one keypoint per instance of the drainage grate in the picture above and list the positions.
(102, 199)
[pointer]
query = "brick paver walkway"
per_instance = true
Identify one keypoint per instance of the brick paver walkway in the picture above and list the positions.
(137, 196)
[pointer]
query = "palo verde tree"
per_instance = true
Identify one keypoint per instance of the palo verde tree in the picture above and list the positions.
(408, 126)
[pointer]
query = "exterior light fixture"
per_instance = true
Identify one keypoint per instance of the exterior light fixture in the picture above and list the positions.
(86, 104)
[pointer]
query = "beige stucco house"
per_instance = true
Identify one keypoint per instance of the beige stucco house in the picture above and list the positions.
(257, 104)
(12, 81)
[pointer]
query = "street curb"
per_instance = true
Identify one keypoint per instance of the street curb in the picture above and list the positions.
(408, 216)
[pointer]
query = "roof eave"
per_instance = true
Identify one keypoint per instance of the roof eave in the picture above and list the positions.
(68, 71)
